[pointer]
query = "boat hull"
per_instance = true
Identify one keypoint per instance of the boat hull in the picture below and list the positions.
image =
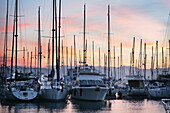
(21, 95)
(159, 92)
(89, 93)
(137, 92)
(54, 94)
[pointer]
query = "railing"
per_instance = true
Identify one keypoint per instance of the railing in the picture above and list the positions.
(166, 104)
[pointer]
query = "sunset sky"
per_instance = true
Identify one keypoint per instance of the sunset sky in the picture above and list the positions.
(143, 19)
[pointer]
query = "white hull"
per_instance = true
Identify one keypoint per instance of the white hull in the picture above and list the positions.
(137, 92)
(55, 93)
(21, 95)
(89, 93)
(163, 92)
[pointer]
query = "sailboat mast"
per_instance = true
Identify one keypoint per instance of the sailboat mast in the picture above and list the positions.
(130, 68)
(24, 58)
(133, 56)
(35, 59)
(121, 60)
(152, 65)
(58, 63)
(16, 36)
(169, 56)
(67, 57)
(105, 63)
(48, 57)
(162, 59)
(118, 68)
(79, 56)
(140, 58)
(31, 63)
(84, 40)
(27, 61)
(75, 57)
(99, 62)
(56, 34)
(39, 43)
(114, 63)
(6, 38)
(12, 55)
(93, 54)
(71, 57)
(53, 30)
(157, 57)
(108, 40)
(145, 61)
(62, 57)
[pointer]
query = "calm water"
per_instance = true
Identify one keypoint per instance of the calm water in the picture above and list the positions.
(72, 106)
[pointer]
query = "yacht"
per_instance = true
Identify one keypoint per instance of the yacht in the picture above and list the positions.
(135, 85)
(89, 86)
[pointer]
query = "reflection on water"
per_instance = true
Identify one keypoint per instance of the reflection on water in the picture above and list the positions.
(72, 106)
(83, 106)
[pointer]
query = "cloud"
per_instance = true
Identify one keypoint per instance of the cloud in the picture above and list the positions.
(10, 27)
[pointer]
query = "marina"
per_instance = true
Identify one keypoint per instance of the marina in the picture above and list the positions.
(61, 69)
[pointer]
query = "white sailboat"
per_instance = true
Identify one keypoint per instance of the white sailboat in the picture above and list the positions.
(24, 89)
(159, 90)
(21, 87)
(54, 90)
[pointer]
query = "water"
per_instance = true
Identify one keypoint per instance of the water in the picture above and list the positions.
(72, 106)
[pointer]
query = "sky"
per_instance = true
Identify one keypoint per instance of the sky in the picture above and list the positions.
(142, 19)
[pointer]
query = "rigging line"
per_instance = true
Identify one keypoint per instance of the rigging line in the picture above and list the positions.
(165, 35)
(43, 14)
(48, 17)
(20, 32)
(24, 22)
(12, 7)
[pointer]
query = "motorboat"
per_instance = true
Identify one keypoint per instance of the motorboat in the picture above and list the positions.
(89, 86)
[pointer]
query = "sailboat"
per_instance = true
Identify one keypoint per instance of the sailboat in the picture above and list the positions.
(89, 85)
(20, 87)
(51, 89)
(161, 87)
